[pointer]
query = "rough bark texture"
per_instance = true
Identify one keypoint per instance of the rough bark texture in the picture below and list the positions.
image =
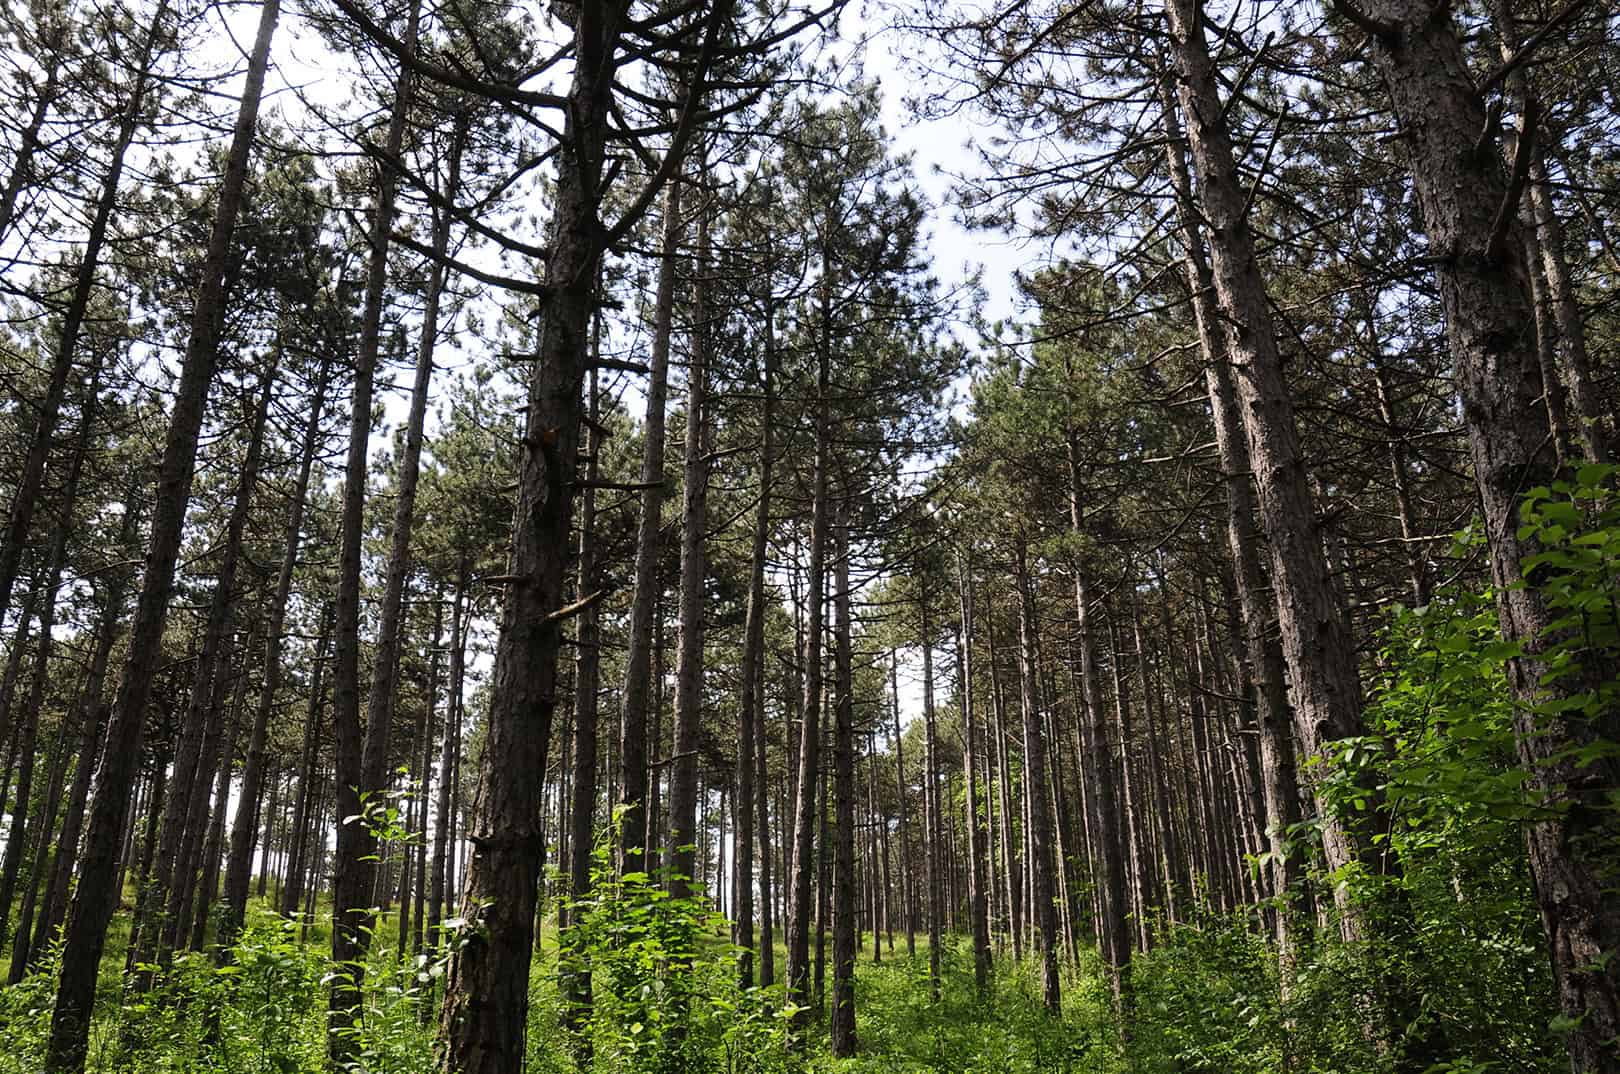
(846, 927)
(801, 908)
(96, 897)
(683, 782)
(241, 856)
(1323, 678)
(1485, 295)
(353, 872)
(638, 661)
(1040, 819)
(977, 894)
(486, 998)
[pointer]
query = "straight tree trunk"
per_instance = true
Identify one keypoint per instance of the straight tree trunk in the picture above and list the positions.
(683, 784)
(907, 881)
(574, 964)
(638, 661)
(1109, 864)
(846, 926)
(93, 721)
(767, 905)
(96, 898)
(353, 872)
(1468, 214)
(932, 828)
(977, 892)
(186, 820)
(750, 707)
(449, 752)
(1320, 654)
(20, 831)
(801, 909)
(238, 868)
(304, 812)
(1040, 828)
(486, 997)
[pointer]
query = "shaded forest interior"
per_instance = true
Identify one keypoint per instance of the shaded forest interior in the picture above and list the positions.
(523, 552)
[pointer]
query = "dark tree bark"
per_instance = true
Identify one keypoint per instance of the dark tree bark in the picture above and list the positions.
(907, 881)
(96, 896)
(1113, 930)
(450, 752)
(751, 702)
(574, 966)
(486, 1000)
(638, 661)
(977, 892)
(353, 871)
(1040, 827)
(1323, 678)
(305, 813)
(92, 710)
(163, 918)
(933, 830)
(238, 868)
(50, 39)
(1465, 201)
(683, 783)
(21, 830)
(846, 926)
(767, 905)
(801, 909)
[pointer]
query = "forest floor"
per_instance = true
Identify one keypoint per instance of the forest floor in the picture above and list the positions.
(272, 1007)
(1205, 1002)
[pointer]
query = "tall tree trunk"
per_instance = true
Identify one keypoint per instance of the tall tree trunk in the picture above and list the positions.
(933, 831)
(767, 905)
(184, 821)
(801, 909)
(95, 899)
(238, 868)
(92, 709)
(449, 752)
(683, 782)
(977, 893)
(1320, 654)
(486, 997)
(21, 829)
(750, 706)
(304, 812)
(640, 639)
(846, 926)
(1009, 859)
(353, 870)
(574, 965)
(1468, 213)
(214, 843)
(1040, 827)
(1113, 931)
(56, 557)
(907, 880)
